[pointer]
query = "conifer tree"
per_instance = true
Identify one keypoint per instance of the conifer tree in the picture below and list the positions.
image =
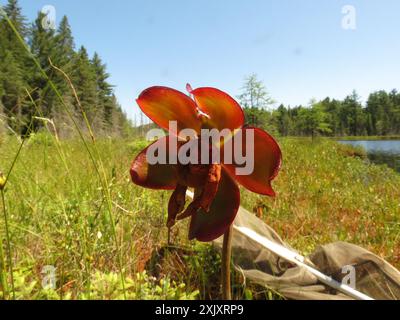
(12, 91)
(65, 44)
(19, 73)
(104, 97)
(42, 45)
(13, 61)
(64, 57)
(84, 79)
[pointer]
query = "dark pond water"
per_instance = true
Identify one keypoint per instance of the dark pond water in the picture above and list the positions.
(380, 151)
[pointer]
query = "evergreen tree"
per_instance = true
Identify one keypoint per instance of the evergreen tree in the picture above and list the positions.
(13, 60)
(64, 59)
(312, 120)
(65, 44)
(12, 91)
(354, 113)
(42, 42)
(104, 96)
(19, 73)
(14, 13)
(382, 110)
(42, 45)
(282, 120)
(84, 79)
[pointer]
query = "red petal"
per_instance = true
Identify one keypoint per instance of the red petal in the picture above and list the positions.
(162, 104)
(209, 226)
(155, 176)
(267, 162)
(224, 111)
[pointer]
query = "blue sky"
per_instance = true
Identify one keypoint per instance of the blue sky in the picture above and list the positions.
(297, 47)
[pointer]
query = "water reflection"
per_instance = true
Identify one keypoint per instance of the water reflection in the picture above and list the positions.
(381, 151)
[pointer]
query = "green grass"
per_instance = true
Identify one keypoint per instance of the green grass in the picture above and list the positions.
(59, 215)
(325, 195)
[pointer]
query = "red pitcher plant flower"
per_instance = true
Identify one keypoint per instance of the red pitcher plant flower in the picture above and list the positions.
(215, 179)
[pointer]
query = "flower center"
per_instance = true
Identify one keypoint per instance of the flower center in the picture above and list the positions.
(193, 175)
(205, 181)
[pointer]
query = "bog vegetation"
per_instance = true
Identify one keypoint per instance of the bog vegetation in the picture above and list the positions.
(70, 204)
(62, 214)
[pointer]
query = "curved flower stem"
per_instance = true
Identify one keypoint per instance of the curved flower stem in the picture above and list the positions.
(226, 265)
(10, 265)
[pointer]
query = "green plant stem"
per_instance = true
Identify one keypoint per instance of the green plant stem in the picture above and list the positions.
(226, 265)
(3, 272)
(10, 264)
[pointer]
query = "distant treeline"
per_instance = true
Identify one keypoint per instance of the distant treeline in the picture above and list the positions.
(379, 116)
(26, 95)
